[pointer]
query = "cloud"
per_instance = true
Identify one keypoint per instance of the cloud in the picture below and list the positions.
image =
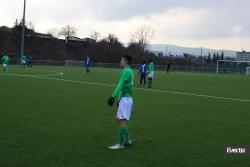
(179, 20)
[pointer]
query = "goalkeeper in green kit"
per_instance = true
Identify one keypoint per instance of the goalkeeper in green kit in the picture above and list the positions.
(123, 93)
(23, 61)
(151, 73)
(5, 60)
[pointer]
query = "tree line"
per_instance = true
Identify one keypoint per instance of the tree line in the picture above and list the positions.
(107, 49)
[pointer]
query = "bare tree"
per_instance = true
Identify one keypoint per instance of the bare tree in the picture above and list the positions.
(112, 39)
(142, 37)
(31, 26)
(67, 31)
(17, 23)
(95, 35)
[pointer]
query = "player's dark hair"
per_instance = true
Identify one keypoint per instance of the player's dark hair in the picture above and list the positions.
(150, 60)
(144, 61)
(128, 58)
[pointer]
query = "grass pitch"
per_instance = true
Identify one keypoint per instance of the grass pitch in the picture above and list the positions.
(50, 119)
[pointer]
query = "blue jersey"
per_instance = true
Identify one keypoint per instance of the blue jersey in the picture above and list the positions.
(30, 60)
(143, 69)
(87, 62)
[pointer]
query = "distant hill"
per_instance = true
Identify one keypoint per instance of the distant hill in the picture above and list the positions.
(178, 50)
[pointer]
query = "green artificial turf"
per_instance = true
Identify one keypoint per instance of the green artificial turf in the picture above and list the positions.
(63, 120)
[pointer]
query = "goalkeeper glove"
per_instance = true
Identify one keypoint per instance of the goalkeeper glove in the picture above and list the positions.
(111, 101)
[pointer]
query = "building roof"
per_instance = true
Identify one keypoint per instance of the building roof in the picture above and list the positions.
(4, 28)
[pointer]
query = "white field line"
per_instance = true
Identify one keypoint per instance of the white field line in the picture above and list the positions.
(46, 75)
(150, 90)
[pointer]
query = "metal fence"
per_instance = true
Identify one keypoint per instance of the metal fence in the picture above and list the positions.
(76, 63)
(194, 69)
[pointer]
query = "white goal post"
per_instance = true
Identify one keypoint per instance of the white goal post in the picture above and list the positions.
(233, 67)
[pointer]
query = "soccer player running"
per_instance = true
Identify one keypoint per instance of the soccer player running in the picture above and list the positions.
(143, 73)
(151, 73)
(5, 60)
(87, 64)
(123, 93)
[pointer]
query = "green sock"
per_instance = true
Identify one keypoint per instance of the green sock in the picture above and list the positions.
(150, 83)
(127, 134)
(123, 134)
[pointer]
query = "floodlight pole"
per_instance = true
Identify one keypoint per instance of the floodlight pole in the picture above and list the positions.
(23, 29)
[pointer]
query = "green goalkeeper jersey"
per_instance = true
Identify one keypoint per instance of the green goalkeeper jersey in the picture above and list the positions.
(151, 67)
(24, 57)
(125, 85)
(5, 59)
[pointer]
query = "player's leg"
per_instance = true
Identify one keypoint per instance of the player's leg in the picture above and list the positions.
(150, 79)
(141, 77)
(123, 135)
(124, 138)
(144, 78)
(22, 64)
(87, 70)
(3, 67)
(123, 115)
(149, 82)
(25, 64)
(123, 131)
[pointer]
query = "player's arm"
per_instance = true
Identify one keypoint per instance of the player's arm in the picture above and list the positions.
(118, 90)
(150, 68)
(140, 69)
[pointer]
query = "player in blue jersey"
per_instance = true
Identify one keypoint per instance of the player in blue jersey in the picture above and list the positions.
(143, 73)
(30, 61)
(87, 65)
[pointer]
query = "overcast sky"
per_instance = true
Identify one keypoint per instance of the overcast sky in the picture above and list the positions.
(218, 24)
